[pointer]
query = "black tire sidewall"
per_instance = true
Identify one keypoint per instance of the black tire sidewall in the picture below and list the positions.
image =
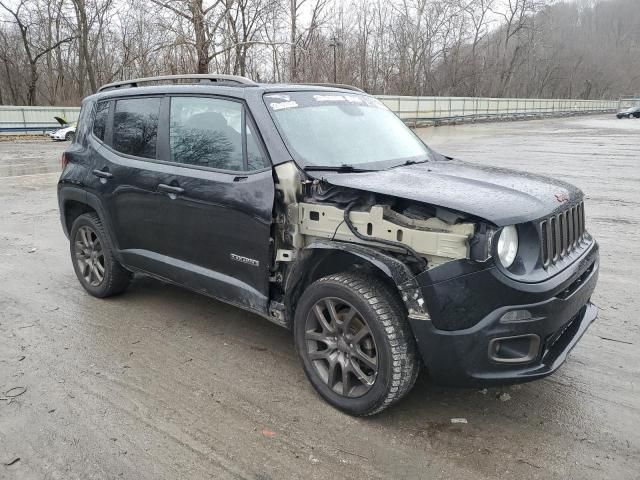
(376, 395)
(102, 289)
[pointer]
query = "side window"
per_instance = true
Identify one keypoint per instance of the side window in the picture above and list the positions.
(135, 126)
(209, 132)
(255, 157)
(206, 132)
(100, 120)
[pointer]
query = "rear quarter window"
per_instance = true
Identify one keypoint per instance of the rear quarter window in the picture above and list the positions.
(100, 120)
(83, 125)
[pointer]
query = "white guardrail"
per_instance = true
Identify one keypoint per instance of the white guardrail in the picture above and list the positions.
(438, 109)
(18, 120)
(413, 110)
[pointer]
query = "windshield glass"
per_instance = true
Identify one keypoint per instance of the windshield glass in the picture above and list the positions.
(335, 129)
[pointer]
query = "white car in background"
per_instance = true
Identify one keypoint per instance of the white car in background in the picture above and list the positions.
(67, 132)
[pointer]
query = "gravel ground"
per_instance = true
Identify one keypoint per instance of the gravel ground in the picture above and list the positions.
(161, 383)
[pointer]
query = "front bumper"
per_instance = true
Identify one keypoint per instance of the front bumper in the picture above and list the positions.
(559, 313)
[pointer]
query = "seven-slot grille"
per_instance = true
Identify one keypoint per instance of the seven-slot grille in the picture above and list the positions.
(562, 233)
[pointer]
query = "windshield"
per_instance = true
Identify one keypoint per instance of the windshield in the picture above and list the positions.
(333, 129)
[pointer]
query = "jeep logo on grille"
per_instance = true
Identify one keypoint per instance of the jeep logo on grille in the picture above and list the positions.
(248, 261)
(562, 197)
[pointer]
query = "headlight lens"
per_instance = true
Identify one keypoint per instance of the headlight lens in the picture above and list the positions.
(508, 245)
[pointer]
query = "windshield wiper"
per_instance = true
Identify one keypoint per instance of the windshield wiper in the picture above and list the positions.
(344, 168)
(410, 162)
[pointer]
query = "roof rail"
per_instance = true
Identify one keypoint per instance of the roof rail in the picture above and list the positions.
(195, 78)
(335, 85)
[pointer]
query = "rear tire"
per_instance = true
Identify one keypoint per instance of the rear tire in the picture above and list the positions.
(69, 136)
(381, 364)
(92, 256)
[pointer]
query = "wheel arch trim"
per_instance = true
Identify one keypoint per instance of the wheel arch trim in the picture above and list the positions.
(318, 252)
(67, 193)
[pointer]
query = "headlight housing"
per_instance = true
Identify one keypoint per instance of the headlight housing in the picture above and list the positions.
(508, 245)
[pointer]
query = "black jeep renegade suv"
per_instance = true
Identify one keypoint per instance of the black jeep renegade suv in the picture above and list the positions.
(318, 209)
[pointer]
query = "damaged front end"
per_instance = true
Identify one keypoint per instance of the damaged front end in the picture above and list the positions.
(319, 224)
(495, 267)
(475, 321)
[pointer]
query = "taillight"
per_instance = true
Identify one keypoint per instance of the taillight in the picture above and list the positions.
(64, 160)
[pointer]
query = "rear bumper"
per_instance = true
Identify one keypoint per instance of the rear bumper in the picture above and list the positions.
(499, 349)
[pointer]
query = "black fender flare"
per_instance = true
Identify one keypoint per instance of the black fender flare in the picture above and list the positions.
(399, 273)
(69, 192)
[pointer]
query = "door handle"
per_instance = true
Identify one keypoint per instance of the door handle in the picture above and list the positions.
(102, 174)
(240, 178)
(170, 189)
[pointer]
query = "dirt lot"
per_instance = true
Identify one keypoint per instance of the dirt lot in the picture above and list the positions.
(161, 383)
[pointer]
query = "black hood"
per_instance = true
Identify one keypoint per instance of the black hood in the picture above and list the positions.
(501, 196)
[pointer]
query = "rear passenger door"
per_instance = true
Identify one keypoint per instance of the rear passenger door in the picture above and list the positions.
(125, 173)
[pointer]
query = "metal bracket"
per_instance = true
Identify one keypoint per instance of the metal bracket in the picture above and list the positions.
(284, 255)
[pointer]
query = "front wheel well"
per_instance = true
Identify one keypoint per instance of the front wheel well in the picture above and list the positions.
(317, 264)
(72, 210)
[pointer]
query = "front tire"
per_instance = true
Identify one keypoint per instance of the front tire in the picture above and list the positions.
(92, 255)
(355, 343)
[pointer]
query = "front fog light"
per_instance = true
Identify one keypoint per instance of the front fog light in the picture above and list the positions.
(508, 245)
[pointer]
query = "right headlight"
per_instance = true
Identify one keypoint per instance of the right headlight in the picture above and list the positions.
(508, 245)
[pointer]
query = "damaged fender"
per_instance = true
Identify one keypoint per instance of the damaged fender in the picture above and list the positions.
(394, 269)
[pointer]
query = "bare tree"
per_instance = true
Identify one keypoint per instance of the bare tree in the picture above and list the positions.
(33, 51)
(204, 21)
(57, 51)
(301, 36)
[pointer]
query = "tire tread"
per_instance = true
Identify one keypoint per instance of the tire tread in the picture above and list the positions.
(392, 315)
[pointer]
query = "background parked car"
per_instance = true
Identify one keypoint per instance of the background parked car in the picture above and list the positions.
(67, 132)
(629, 112)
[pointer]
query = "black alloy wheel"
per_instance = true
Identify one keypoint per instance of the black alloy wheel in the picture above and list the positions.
(89, 256)
(93, 258)
(340, 344)
(353, 337)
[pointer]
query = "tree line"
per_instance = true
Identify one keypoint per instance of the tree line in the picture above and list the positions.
(55, 52)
